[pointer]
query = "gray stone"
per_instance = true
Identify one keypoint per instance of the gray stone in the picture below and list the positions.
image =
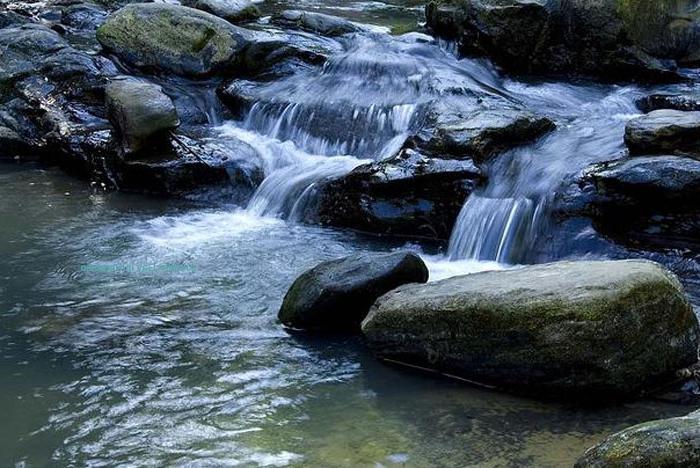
(668, 443)
(584, 330)
(140, 112)
(234, 11)
(319, 23)
(664, 131)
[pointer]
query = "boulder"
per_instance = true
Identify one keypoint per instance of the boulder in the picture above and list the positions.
(614, 39)
(336, 295)
(478, 131)
(140, 112)
(680, 102)
(319, 23)
(645, 201)
(664, 131)
(584, 330)
(407, 195)
(651, 182)
(172, 38)
(235, 11)
(673, 442)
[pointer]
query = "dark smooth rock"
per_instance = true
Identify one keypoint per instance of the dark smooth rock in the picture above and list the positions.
(10, 18)
(172, 38)
(579, 330)
(319, 23)
(140, 112)
(664, 132)
(336, 295)
(407, 195)
(669, 443)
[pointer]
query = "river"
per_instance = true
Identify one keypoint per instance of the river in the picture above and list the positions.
(143, 332)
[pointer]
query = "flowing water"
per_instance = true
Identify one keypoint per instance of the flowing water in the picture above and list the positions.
(142, 332)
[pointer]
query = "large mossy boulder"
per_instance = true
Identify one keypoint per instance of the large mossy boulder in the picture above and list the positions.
(666, 443)
(336, 295)
(618, 39)
(585, 330)
(140, 112)
(172, 38)
(664, 131)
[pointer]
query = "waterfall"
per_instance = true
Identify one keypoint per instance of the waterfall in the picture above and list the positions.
(505, 221)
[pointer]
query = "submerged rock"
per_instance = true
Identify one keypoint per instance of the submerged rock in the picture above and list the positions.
(140, 112)
(172, 38)
(336, 295)
(673, 442)
(407, 195)
(586, 330)
(664, 131)
(325, 25)
(610, 38)
(235, 11)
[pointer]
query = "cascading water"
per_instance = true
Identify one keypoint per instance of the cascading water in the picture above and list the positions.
(504, 221)
(361, 107)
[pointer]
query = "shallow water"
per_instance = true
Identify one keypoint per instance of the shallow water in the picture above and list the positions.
(143, 332)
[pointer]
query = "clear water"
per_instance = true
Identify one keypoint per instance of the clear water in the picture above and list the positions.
(142, 332)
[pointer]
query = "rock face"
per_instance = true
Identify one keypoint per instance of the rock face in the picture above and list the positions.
(172, 38)
(681, 102)
(140, 112)
(617, 39)
(669, 443)
(664, 131)
(407, 195)
(234, 11)
(647, 201)
(336, 295)
(572, 329)
(325, 25)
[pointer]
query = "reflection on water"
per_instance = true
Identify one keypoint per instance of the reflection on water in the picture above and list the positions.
(153, 367)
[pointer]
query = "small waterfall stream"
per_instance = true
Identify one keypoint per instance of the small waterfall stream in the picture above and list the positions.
(504, 221)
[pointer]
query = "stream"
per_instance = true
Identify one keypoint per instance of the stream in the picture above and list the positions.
(141, 331)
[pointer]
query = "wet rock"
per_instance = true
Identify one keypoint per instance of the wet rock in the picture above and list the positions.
(32, 50)
(673, 442)
(318, 23)
(645, 201)
(83, 16)
(407, 195)
(612, 38)
(235, 11)
(273, 54)
(336, 295)
(477, 132)
(172, 38)
(680, 102)
(664, 131)
(649, 181)
(11, 144)
(10, 18)
(584, 330)
(140, 112)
